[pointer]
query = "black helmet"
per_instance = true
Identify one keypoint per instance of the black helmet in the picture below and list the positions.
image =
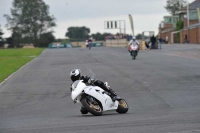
(75, 74)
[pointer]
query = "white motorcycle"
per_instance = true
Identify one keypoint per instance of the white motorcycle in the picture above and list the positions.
(95, 100)
(134, 51)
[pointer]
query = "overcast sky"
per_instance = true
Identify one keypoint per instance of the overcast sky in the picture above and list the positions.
(147, 14)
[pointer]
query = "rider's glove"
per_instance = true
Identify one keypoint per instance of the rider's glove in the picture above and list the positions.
(91, 81)
(106, 84)
(85, 78)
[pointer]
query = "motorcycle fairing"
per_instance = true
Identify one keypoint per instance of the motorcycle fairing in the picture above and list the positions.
(77, 88)
(100, 95)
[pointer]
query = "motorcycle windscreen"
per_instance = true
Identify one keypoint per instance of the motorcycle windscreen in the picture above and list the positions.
(77, 89)
(134, 47)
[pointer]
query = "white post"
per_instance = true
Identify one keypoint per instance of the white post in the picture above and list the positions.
(188, 16)
(172, 38)
(133, 30)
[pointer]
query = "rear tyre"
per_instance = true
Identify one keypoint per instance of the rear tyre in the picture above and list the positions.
(83, 111)
(94, 109)
(122, 107)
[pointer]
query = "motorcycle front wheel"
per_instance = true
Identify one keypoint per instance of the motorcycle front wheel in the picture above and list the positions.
(122, 107)
(94, 109)
(133, 54)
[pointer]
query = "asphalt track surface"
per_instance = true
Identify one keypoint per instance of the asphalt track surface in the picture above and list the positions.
(161, 88)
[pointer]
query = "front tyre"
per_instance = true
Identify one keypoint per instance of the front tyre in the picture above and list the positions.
(90, 45)
(94, 109)
(83, 111)
(122, 107)
(133, 54)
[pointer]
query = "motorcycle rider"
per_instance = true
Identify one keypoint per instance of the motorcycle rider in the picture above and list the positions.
(77, 75)
(90, 42)
(86, 43)
(133, 43)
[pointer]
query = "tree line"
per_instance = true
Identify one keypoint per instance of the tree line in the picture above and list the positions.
(83, 33)
(31, 23)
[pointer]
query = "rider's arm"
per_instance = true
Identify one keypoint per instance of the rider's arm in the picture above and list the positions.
(85, 79)
(100, 84)
(130, 43)
(88, 80)
(137, 42)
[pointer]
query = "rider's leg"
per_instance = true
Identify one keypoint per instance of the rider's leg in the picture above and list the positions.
(109, 90)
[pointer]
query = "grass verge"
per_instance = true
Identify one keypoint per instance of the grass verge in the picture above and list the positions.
(12, 59)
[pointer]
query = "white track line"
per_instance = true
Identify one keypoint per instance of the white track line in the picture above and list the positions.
(115, 54)
(88, 68)
(20, 69)
(15, 72)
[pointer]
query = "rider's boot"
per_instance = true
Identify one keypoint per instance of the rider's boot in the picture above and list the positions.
(113, 95)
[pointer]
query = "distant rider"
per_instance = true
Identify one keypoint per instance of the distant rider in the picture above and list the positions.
(90, 42)
(86, 43)
(133, 43)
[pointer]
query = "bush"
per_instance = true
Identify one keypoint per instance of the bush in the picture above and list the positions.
(179, 25)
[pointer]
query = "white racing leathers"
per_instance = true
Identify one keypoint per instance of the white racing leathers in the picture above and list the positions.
(133, 45)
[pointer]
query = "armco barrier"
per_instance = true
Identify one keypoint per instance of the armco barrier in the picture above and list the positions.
(83, 45)
(97, 44)
(123, 43)
(60, 46)
(75, 45)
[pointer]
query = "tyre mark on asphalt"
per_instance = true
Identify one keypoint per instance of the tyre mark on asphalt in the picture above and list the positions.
(27, 98)
(182, 56)
(93, 127)
(43, 97)
(165, 104)
(115, 54)
(191, 131)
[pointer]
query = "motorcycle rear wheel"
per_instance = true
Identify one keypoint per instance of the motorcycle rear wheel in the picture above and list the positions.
(94, 109)
(122, 107)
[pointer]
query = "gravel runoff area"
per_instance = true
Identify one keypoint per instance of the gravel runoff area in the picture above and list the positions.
(162, 88)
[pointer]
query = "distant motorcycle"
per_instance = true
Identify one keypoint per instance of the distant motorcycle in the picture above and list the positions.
(95, 100)
(89, 45)
(133, 51)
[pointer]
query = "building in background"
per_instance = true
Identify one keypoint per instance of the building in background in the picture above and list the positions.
(190, 32)
(167, 27)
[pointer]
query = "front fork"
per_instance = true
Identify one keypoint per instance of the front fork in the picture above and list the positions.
(134, 52)
(91, 99)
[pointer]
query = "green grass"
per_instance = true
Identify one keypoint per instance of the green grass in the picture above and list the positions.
(20, 52)
(12, 59)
